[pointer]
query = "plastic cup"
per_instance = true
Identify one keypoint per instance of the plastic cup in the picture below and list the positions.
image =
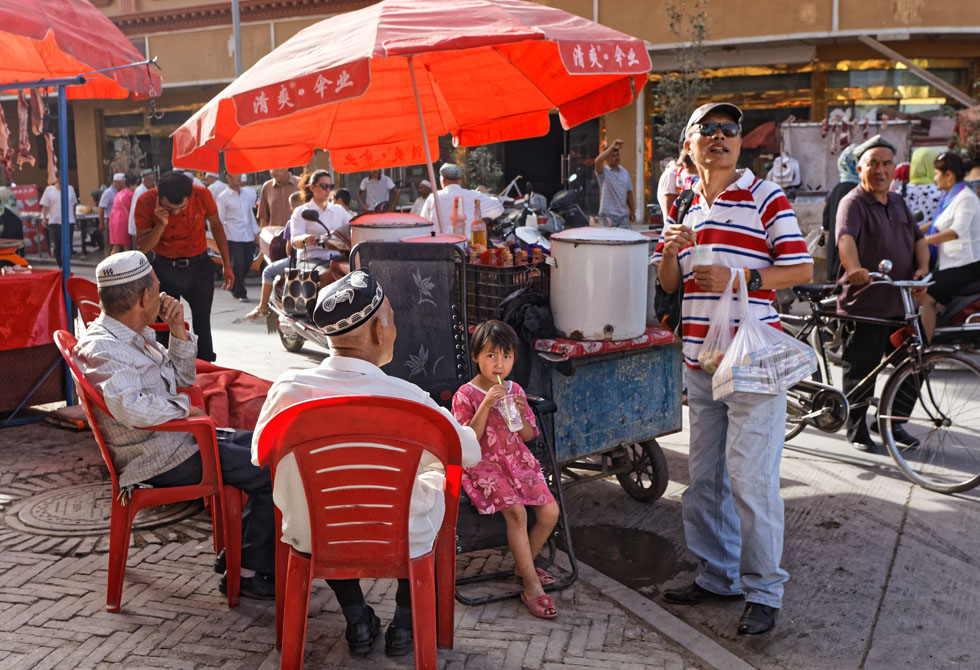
(507, 406)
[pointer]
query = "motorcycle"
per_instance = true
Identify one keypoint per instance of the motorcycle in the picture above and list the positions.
(295, 325)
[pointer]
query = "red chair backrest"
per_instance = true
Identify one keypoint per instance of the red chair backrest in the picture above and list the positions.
(358, 457)
(89, 395)
(85, 295)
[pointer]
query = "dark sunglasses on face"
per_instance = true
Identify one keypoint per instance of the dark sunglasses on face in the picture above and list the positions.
(325, 186)
(727, 129)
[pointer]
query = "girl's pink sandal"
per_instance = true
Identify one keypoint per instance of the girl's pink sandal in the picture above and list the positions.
(539, 606)
(543, 577)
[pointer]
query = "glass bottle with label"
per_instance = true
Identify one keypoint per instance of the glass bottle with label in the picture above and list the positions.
(458, 219)
(478, 229)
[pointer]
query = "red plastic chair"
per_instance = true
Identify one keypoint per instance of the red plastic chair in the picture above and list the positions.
(226, 499)
(85, 295)
(358, 458)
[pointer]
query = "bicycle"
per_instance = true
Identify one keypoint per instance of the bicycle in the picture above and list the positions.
(933, 391)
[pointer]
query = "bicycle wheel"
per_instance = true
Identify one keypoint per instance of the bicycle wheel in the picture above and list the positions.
(938, 403)
(796, 407)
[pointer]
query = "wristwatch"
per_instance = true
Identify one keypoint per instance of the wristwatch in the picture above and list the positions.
(755, 280)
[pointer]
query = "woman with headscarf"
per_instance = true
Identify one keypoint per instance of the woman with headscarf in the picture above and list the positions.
(847, 168)
(921, 194)
(957, 235)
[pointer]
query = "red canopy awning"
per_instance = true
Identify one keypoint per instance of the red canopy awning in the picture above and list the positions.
(57, 39)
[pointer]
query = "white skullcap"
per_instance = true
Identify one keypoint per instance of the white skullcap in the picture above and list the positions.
(122, 268)
(212, 174)
(425, 182)
(119, 176)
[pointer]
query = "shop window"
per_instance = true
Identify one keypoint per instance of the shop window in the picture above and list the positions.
(869, 78)
(124, 120)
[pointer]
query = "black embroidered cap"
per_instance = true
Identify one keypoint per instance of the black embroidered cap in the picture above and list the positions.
(871, 143)
(347, 303)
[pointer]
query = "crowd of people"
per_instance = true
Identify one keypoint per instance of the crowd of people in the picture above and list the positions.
(732, 510)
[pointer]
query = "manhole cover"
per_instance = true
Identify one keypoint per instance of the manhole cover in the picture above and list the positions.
(84, 509)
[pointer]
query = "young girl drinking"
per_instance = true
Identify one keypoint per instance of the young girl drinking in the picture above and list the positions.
(508, 478)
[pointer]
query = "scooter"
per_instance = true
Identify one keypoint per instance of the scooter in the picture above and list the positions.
(292, 318)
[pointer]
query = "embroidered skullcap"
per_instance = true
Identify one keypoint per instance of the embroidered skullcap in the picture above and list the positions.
(451, 171)
(119, 176)
(871, 143)
(698, 115)
(122, 268)
(347, 303)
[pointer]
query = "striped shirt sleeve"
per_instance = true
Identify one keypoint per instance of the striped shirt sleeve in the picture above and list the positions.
(783, 236)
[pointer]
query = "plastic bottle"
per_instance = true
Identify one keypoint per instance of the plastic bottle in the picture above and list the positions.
(458, 219)
(478, 229)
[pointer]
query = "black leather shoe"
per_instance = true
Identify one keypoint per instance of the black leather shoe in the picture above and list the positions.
(360, 636)
(398, 641)
(903, 438)
(693, 594)
(757, 619)
(258, 587)
(219, 563)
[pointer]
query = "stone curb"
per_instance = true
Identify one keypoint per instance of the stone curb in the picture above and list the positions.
(706, 649)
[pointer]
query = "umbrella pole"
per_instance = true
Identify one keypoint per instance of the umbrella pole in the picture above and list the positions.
(425, 144)
(66, 232)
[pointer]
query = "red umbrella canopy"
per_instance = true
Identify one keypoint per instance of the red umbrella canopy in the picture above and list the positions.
(54, 39)
(487, 71)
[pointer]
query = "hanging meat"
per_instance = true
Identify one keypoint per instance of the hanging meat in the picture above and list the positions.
(52, 158)
(6, 151)
(37, 112)
(23, 128)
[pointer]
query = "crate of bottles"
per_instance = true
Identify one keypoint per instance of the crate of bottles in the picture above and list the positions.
(488, 285)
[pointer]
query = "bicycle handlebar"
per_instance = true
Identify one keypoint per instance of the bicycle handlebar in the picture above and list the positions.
(902, 283)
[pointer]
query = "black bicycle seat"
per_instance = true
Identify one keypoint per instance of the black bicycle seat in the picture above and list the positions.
(816, 291)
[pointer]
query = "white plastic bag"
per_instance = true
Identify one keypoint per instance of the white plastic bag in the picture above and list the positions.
(721, 331)
(761, 359)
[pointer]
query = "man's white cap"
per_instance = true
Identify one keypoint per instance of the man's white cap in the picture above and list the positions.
(425, 182)
(707, 108)
(122, 268)
(119, 176)
(212, 174)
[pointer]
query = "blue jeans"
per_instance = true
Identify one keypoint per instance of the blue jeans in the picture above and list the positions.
(733, 513)
(273, 270)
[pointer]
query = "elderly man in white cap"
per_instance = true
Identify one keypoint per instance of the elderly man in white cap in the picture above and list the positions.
(451, 177)
(213, 181)
(425, 188)
(359, 322)
(138, 378)
(108, 197)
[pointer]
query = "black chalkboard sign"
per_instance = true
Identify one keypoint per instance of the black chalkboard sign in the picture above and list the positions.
(423, 282)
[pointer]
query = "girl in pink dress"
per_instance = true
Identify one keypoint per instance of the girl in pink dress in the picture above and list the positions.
(508, 478)
(119, 239)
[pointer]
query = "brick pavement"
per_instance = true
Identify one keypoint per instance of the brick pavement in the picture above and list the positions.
(52, 595)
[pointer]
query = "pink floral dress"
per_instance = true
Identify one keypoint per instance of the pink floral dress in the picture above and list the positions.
(507, 474)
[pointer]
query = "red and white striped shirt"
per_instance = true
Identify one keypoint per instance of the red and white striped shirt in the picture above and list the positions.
(750, 224)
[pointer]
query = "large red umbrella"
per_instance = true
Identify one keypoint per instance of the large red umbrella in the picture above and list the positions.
(59, 39)
(370, 84)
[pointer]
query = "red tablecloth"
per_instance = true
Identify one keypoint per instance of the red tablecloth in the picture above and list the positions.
(232, 398)
(653, 336)
(32, 307)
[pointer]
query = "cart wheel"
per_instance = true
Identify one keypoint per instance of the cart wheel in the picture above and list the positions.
(292, 343)
(645, 478)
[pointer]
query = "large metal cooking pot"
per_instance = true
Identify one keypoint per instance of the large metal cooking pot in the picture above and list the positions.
(599, 283)
(387, 227)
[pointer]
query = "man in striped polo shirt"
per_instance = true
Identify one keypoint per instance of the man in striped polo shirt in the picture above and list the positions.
(733, 513)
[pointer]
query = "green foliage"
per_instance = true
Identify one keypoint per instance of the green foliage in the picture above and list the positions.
(677, 93)
(481, 168)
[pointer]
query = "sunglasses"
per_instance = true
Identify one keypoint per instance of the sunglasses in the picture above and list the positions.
(324, 186)
(727, 129)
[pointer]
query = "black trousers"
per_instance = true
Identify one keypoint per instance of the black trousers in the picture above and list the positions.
(241, 260)
(193, 282)
(348, 592)
(54, 239)
(258, 517)
(864, 346)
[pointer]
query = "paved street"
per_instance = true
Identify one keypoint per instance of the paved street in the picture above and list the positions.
(884, 575)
